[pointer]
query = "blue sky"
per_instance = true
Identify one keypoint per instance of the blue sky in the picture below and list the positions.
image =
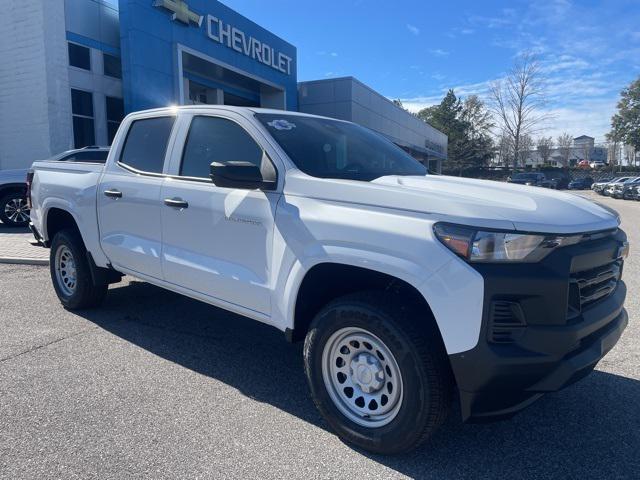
(415, 50)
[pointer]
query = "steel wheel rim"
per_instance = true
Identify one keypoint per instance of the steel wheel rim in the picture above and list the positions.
(17, 210)
(362, 377)
(65, 267)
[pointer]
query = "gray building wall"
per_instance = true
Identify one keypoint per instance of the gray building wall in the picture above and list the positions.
(35, 102)
(36, 79)
(349, 99)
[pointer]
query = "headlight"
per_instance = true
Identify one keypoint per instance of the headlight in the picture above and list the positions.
(499, 246)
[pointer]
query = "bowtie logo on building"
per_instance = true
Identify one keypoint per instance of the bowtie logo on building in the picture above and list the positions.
(181, 12)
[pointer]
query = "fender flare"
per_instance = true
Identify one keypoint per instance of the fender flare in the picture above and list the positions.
(411, 273)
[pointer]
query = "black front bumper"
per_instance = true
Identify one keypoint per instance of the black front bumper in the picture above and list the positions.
(548, 338)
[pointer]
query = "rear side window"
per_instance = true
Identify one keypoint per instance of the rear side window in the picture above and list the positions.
(93, 156)
(213, 139)
(146, 144)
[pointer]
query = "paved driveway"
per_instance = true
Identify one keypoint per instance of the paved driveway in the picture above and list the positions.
(155, 385)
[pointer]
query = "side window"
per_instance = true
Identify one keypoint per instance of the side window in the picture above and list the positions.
(146, 144)
(213, 139)
(93, 156)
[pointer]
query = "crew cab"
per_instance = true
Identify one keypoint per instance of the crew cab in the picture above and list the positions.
(404, 286)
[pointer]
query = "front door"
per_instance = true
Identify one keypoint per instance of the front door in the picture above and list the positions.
(129, 203)
(218, 241)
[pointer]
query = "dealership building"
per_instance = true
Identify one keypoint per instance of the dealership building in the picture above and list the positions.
(72, 69)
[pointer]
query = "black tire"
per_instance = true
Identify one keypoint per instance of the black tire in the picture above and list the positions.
(414, 341)
(85, 294)
(8, 204)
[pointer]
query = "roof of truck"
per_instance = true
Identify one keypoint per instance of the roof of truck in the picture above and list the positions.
(274, 111)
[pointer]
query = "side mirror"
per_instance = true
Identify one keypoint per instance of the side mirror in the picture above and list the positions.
(236, 174)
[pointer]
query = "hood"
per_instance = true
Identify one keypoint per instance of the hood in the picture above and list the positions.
(479, 203)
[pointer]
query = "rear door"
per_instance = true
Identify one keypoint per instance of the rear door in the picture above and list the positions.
(129, 205)
(217, 241)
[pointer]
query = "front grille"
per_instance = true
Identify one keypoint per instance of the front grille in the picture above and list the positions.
(591, 286)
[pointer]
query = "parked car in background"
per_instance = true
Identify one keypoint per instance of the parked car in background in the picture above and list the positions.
(14, 210)
(580, 183)
(608, 189)
(560, 182)
(529, 178)
(625, 189)
(584, 164)
(636, 193)
(598, 186)
(597, 165)
(403, 285)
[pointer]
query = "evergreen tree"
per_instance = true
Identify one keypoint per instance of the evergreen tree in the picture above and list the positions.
(625, 124)
(467, 125)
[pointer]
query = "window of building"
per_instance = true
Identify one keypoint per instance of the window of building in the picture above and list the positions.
(146, 144)
(213, 139)
(115, 114)
(83, 121)
(112, 65)
(79, 56)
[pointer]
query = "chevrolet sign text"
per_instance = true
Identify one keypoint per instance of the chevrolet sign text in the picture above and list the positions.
(223, 33)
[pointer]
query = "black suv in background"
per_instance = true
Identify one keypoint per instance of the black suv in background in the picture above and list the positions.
(529, 178)
(580, 183)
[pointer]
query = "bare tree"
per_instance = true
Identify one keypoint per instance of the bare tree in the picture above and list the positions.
(545, 146)
(518, 100)
(612, 154)
(585, 152)
(630, 154)
(526, 148)
(564, 142)
(504, 149)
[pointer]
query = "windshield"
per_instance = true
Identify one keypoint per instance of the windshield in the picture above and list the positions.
(327, 148)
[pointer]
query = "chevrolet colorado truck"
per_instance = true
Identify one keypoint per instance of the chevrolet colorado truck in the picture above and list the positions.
(404, 286)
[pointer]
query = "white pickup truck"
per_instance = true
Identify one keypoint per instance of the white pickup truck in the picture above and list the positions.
(404, 286)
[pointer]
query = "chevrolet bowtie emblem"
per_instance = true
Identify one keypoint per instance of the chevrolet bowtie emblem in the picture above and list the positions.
(180, 11)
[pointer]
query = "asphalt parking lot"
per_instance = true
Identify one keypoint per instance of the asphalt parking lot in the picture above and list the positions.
(155, 385)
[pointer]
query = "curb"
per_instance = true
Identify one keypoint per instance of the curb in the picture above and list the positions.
(24, 261)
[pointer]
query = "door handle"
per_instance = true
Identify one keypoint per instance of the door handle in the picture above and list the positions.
(176, 203)
(113, 193)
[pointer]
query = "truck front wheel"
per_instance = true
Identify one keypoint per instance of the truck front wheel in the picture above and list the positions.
(70, 272)
(378, 372)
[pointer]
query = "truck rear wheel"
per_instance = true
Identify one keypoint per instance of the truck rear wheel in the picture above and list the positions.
(70, 272)
(380, 380)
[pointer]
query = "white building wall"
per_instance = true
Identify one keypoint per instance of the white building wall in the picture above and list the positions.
(35, 104)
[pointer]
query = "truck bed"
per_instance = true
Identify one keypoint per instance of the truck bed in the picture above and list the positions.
(72, 187)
